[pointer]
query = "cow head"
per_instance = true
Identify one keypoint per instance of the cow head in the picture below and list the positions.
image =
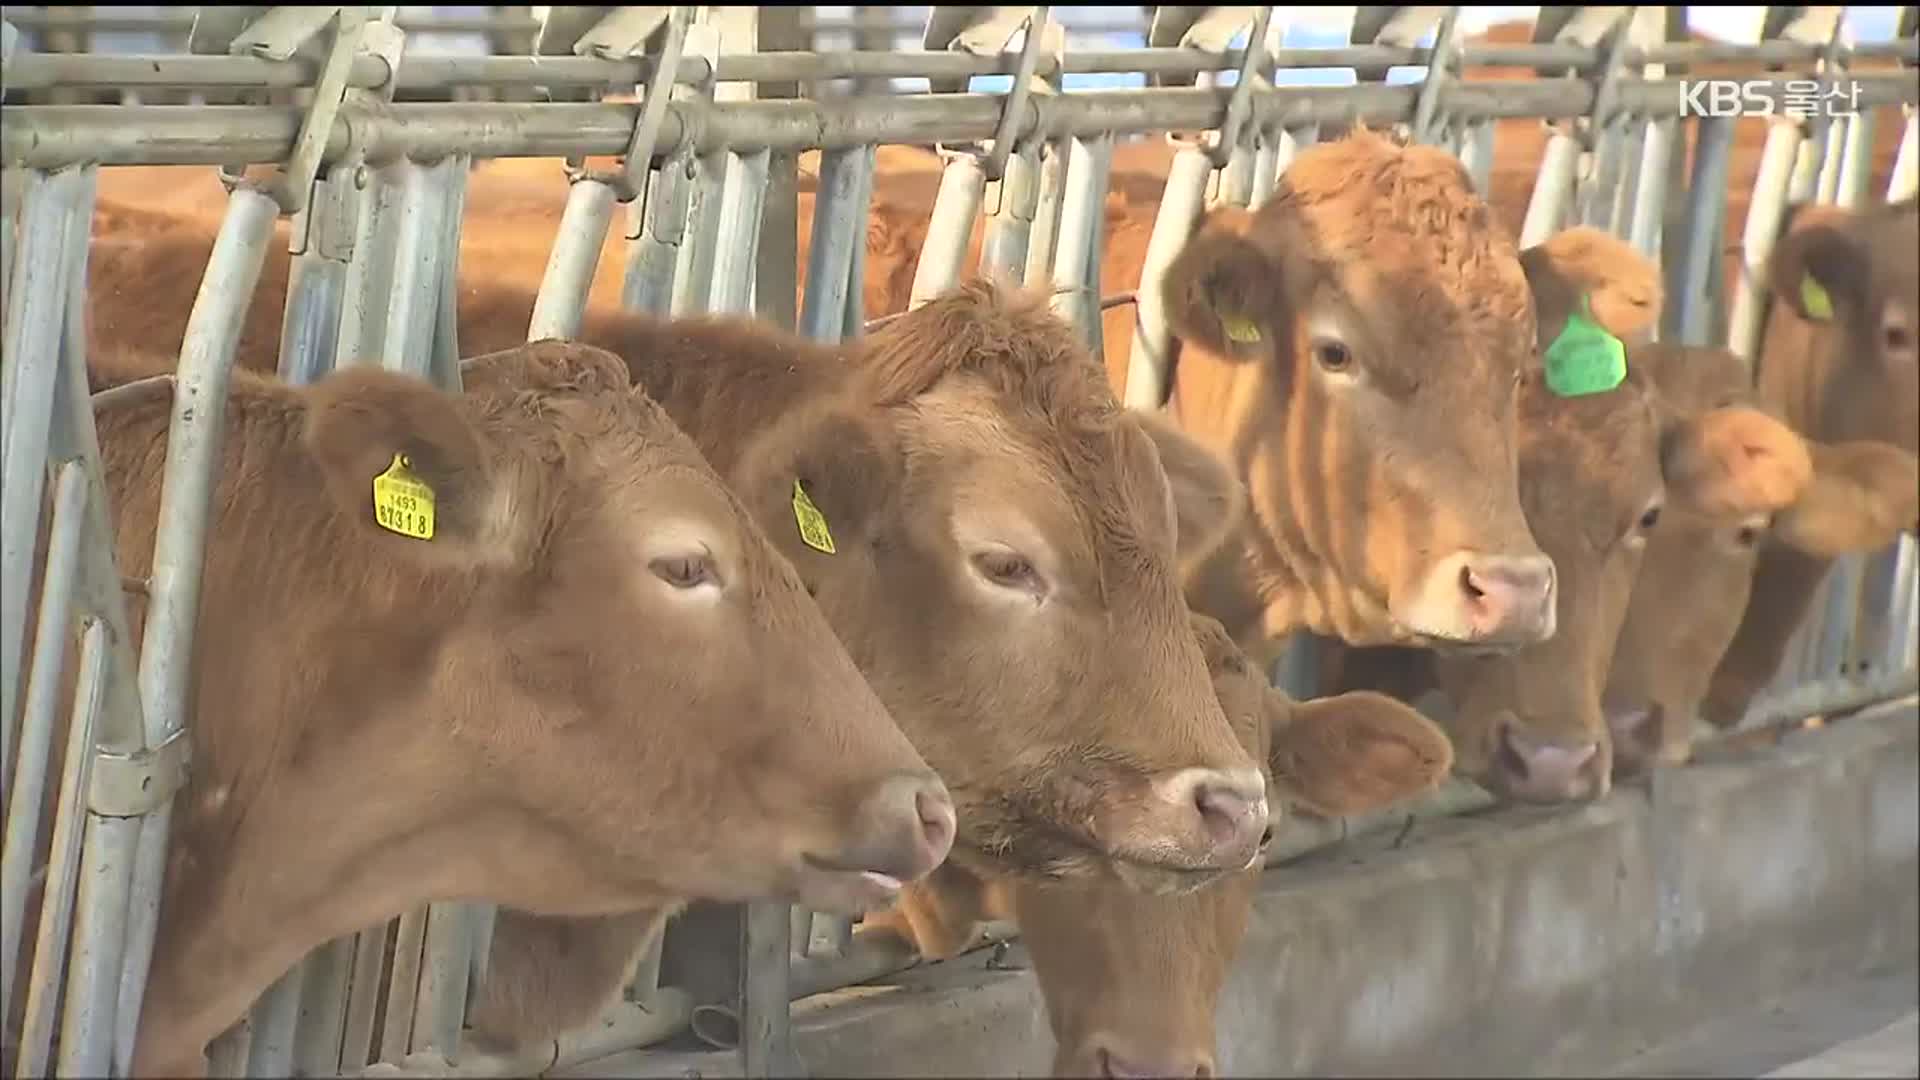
(1356, 347)
(1132, 980)
(1599, 473)
(1857, 275)
(1698, 570)
(604, 638)
(996, 541)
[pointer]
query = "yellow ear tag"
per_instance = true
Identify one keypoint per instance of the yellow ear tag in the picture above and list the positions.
(402, 502)
(1814, 299)
(1240, 330)
(813, 523)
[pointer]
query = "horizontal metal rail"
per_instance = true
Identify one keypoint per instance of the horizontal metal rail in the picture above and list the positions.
(38, 71)
(52, 136)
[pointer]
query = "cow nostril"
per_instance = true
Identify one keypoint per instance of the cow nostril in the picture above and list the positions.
(937, 820)
(1470, 585)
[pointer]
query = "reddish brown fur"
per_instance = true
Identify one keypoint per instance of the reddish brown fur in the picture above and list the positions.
(1136, 977)
(1361, 481)
(1853, 380)
(463, 717)
(1599, 476)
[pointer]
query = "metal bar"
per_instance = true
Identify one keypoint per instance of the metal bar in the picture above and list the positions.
(1551, 188)
(51, 135)
(1905, 179)
(1477, 153)
(1045, 234)
(194, 438)
(36, 306)
(562, 299)
(737, 237)
(63, 870)
(403, 985)
(29, 776)
(1706, 198)
(1856, 168)
(654, 239)
(310, 327)
(839, 227)
(693, 268)
(323, 1005)
(363, 992)
(948, 229)
(1016, 198)
(1080, 209)
(441, 1002)
(1650, 193)
(270, 1046)
(1762, 227)
(1146, 385)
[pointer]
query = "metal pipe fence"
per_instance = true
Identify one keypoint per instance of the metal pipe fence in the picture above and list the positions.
(375, 191)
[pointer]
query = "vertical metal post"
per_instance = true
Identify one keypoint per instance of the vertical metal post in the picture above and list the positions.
(1003, 250)
(323, 242)
(1081, 208)
(1477, 153)
(1045, 233)
(1856, 168)
(1550, 189)
(1146, 385)
(949, 228)
(657, 229)
(1906, 161)
(576, 255)
(1706, 200)
(1764, 213)
(693, 270)
(839, 229)
(737, 233)
(1650, 193)
(194, 439)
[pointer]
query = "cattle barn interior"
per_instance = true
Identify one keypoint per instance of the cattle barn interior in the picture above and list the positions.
(1577, 487)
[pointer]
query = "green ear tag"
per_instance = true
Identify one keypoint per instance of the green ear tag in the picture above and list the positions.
(1814, 299)
(1585, 359)
(813, 524)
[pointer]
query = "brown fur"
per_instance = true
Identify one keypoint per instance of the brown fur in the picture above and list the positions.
(1359, 482)
(463, 718)
(1855, 379)
(1592, 468)
(1137, 976)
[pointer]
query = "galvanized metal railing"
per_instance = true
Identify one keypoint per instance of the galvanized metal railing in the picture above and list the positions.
(374, 190)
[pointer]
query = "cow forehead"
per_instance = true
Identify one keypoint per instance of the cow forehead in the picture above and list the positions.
(1585, 462)
(1096, 485)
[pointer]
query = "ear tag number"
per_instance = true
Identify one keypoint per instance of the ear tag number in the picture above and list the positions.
(402, 502)
(813, 523)
(1585, 359)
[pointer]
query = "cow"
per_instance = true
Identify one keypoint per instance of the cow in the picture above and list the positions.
(572, 675)
(1599, 475)
(1131, 979)
(1698, 570)
(994, 540)
(1841, 363)
(1328, 347)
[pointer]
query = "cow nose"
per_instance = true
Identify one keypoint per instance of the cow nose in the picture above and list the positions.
(1176, 1065)
(905, 828)
(1535, 768)
(1508, 597)
(1233, 814)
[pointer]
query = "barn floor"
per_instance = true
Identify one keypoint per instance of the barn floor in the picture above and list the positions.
(1862, 1027)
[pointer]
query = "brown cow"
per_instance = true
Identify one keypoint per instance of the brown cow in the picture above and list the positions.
(463, 717)
(1698, 570)
(1598, 473)
(1131, 979)
(1331, 347)
(1002, 567)
(1845, 369)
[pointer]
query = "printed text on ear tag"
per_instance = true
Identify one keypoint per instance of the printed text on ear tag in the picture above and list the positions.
(402, 502)
(1239, 329)
(1585, 359)
(1814, 299)
(813, 523)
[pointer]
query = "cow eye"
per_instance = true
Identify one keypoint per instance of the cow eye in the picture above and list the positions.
(1008, 569)
(1332, 355)
(682, 571)
(1748, 535)
(1649, 519)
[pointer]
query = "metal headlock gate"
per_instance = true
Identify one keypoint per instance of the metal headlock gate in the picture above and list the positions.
(374, 186)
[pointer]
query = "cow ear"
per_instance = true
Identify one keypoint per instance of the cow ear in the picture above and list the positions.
(1621, 287)
(823, 481)
(1353, 753)
(1733, 462)
(1863, 495)
(1218, 293)
(405, 465)
(1816, 262)
(1207, 498)
(547, 365)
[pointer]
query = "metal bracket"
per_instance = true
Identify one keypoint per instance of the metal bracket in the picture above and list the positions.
(133, 785)
(987, 31)
(1394, 27)
(627, 32)
(1212, 29)
(291, 186)
(1603, 28)
(279, 34)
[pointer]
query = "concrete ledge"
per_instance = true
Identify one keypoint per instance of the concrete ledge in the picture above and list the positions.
(1892, 1051)
(1517, 941)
